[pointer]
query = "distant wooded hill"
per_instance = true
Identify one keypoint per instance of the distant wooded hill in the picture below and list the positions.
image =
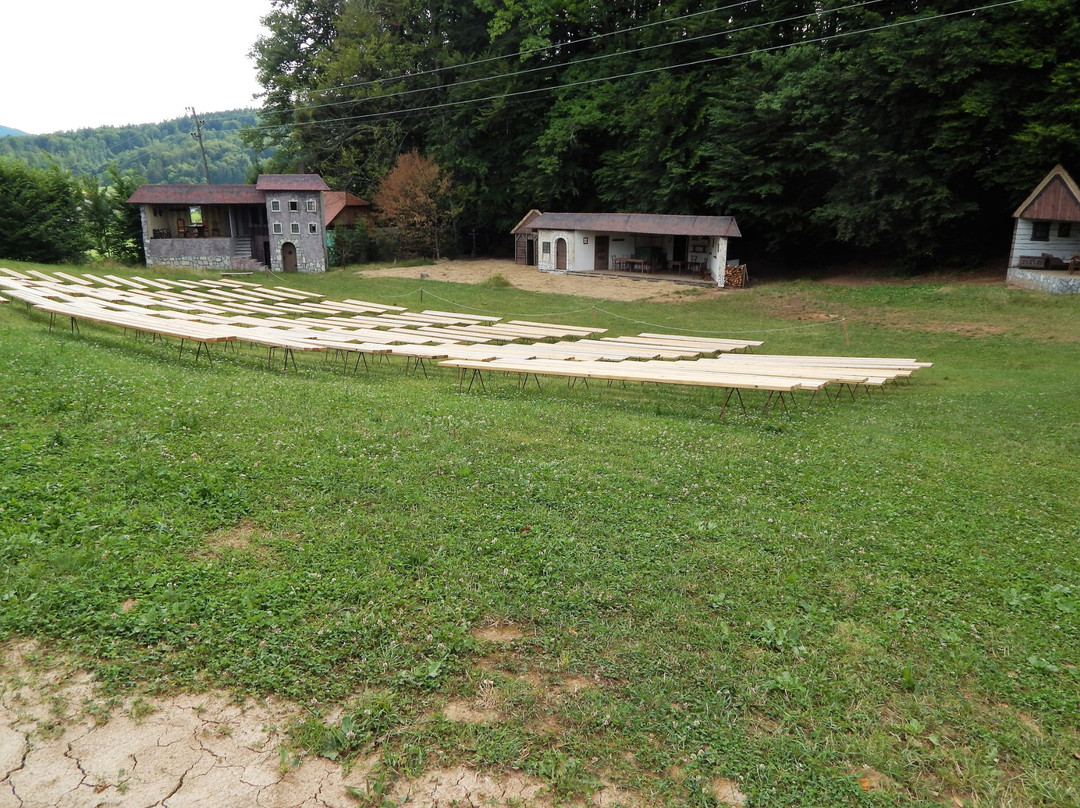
(161, 152)
(5, 131)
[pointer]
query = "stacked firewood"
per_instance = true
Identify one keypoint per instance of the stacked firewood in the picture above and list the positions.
(735, 277)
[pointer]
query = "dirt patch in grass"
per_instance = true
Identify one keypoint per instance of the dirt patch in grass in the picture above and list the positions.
(870, 779)
(465, 787)
(61, 743)
(244, 537)
(499, 633)
(727, 793)
(470, 712)
(533, 280)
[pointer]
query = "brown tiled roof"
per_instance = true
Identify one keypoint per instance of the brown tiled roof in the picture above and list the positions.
(1055, 199)
(187, 194)
(650, 223)
(336, 201)
(291, 182)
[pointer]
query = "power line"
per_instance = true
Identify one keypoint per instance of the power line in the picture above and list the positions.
(533, 51)
(572, 63)
(644, 72)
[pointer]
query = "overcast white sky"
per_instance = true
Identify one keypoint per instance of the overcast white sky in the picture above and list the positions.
(71, 64)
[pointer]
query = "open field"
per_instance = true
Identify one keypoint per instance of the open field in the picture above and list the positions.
(597, 595)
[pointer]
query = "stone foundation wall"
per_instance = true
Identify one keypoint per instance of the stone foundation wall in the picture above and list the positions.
(1056, 283)
(194, 253)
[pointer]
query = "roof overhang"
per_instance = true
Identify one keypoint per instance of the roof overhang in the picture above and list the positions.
(182, 194)
(644, 223)
(1056, 198)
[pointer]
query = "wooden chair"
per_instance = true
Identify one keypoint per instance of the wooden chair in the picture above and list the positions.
(181, 228)
(1074, 264)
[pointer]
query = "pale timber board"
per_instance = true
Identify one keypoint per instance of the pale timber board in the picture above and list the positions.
(621, 371)
(73, 278)
(483, 318)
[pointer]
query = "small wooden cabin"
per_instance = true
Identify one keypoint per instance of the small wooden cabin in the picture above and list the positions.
(1046, 233)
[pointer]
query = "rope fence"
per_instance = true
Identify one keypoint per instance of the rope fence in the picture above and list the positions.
(421, 291)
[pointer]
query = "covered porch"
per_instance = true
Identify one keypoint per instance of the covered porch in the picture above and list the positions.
(690, 247)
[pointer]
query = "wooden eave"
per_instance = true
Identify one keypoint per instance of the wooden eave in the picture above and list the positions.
(1055, 199)
(523, 225)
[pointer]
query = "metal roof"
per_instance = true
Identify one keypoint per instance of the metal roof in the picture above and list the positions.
(187, 194)
(646, 223)
(1055, 199)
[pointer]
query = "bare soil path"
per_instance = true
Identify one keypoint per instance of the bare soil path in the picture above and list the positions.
(607, 287)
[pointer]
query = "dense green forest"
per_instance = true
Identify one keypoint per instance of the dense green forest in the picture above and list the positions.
(160, 152)
(902, 131)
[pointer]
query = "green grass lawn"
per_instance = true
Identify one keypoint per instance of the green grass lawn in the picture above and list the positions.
(790, 601)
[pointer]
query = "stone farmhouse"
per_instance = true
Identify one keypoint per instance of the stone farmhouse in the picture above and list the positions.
(279, 222)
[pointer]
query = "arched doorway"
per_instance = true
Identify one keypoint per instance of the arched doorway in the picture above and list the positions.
(288, 257)
(560, 254)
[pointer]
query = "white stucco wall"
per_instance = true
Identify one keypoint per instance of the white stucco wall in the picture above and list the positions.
(546, 261)
(717, 259)
(581, 250)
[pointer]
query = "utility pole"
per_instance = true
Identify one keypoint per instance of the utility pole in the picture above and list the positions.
(197, 134)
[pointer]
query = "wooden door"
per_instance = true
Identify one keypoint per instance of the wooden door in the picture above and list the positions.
(600, 256)
(288, 257)
(560, 254)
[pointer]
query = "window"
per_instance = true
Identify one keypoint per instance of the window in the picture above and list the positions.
(1064, 229)
(196, 214)
(312, 228)
(1040, 231)
(275, 205)
(294, 205)
(294, 227)
(546, 249)
(277, 228)
(311, 206)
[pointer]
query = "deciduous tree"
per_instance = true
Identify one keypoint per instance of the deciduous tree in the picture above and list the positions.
(416, 198)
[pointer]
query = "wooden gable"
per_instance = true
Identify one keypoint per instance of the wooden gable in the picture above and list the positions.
(1055, 199)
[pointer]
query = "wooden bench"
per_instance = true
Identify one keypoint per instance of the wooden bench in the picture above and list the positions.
(201, 333)
(637, 372)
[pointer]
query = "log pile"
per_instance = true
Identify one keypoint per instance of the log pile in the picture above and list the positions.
(735, 277)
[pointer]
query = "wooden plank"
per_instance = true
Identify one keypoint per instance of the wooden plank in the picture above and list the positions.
(832, 375)
(298, 292)
(125, 282)
(710, 344)
(150, 325)
(11, 273)
(643, 350)
(37, 273)
(375, 306)
(486, 318)
(837, 361)
(631, 372)
(73, 278)
(101, 281)
(585, 331)
(152, 282)
(234, 282)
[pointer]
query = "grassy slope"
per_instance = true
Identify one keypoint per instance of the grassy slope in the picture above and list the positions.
(780, 600)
